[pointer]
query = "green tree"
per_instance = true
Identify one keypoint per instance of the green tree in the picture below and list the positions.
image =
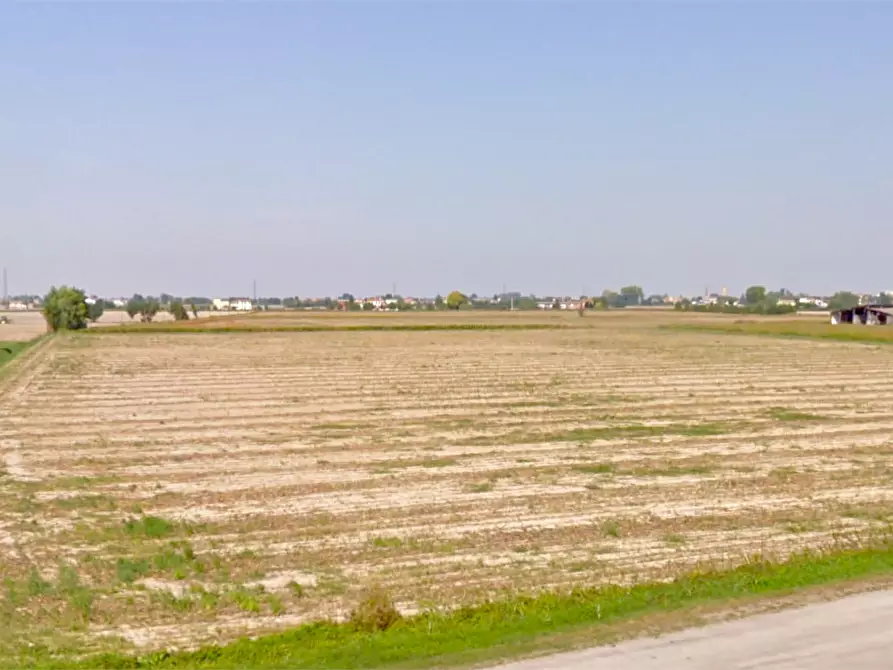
(65, 308)
(150, 309)
(147, 308)
(632, 295)
(438, 300)
(754, 295)
(612, 298)
(96, 310)
(135, 305)
(178, 311)
(194, 310)
(843, 300)
(455, 300)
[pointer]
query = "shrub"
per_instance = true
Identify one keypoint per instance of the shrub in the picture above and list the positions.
(179, 311)
(375, 611)
(95, 311)
(65, 308)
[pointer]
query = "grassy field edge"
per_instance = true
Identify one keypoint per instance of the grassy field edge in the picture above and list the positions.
(10, 350)
(509, 627)
(793, 329)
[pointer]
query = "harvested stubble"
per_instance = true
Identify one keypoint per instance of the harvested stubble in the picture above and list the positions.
(203, 487)
(795, 328)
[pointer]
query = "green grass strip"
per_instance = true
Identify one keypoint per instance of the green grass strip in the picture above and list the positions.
(11, 350)
(252, 328)
(795, 329)
(495, 630)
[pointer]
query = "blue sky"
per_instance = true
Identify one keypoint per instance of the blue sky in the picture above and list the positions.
(346, 146)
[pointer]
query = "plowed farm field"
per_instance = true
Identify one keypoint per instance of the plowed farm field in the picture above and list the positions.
(167, 490)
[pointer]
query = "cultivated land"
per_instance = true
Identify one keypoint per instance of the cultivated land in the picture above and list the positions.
(24, 326)
(172, 489)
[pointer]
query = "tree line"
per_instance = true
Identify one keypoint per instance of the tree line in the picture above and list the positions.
(66, 308)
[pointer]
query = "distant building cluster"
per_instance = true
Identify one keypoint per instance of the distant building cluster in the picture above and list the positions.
(629, 296)
(24, 303)
(232, 304)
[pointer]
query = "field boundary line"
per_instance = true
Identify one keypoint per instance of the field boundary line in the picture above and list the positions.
(149, 329)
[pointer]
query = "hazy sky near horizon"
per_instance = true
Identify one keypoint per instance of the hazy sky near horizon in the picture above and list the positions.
(549, 147)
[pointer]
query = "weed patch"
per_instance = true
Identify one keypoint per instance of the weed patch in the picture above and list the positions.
(96, 502)
(782, 414)
(596, 469)
(128, 571)
(632, 431)
(611, 529)
(148, 526)
(375, 611)
(37, 585)
(247, 600)
(79, 598)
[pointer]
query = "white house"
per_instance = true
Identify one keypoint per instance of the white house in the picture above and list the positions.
(241, 304)
(232, 304)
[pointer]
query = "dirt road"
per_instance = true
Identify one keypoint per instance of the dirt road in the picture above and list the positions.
(850, 633)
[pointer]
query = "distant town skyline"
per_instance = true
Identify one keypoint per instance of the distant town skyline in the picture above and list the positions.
(707, 290)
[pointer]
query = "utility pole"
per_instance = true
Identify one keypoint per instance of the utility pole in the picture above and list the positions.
(254, 283)
(5, 290)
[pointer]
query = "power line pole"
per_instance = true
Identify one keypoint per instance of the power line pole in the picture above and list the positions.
(254, 284)
(5, 290)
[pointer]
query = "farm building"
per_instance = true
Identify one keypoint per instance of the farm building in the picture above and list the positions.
(233, 304)
(869, 315)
